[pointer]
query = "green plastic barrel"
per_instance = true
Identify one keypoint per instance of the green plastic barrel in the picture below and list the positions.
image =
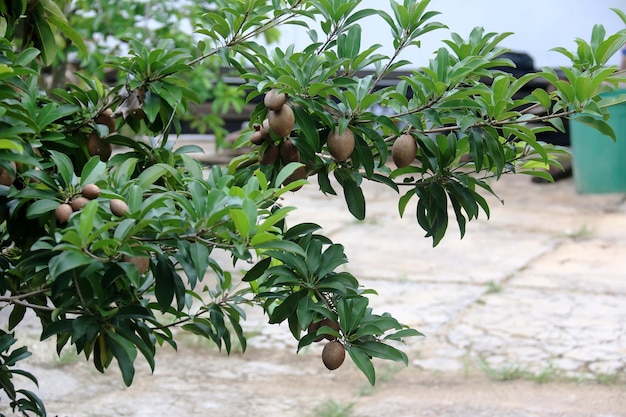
(599, 163)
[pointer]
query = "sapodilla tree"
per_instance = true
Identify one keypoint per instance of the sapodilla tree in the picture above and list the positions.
(148, 202)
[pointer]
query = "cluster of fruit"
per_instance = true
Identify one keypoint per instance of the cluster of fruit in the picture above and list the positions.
(280, 122)
(76, 203)
(333, 353)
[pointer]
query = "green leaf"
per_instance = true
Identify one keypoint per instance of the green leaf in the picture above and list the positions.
(151, 106)
(600, 125)
(64, 167)
(353, 195)
(257, 270)
(92, 171)
(383, 351)
(40, 207)
(242, 225)
(286, 172)
(282, 245)
(86, 222)
(165, 287)
(363, 362)
(149, 176)
(66, 261)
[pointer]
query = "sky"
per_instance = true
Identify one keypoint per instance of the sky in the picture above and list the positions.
(538, 25)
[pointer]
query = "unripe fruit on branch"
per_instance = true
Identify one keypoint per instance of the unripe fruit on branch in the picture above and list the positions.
(7, 177)
(90, 191)
(118, 207)
(274, 100)
(269, 155)
(341, 145)
(315, 326)
(63, 213)
(96, 146)
(288, 152)
(78, 203)
(264, 129)
(333, 355)
(282, 121)
(404, 150)
(106, 118)
(298, 174)
(257, 137)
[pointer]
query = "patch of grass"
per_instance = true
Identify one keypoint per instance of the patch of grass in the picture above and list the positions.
(510, 373)
(493, 287)
(608, 379)
(333, 408)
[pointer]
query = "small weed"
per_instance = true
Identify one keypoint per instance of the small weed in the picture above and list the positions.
(607, 379)
(493, 287)
(584, 231)
(510, 373)
(333, 408)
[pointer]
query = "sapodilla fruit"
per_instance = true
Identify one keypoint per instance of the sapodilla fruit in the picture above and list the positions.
(96, 146)
(106, 118)
(274, 100)
(257, 137)
(269, 155)
(315, 326)
(6, 177)
(264, 129)
(404, 150)
(298, 174)
(118, 207)
(341, 145)
(281, 121)
(333, 355)
(288, 152)
(90, 191)
(78, 203)
(63, 213)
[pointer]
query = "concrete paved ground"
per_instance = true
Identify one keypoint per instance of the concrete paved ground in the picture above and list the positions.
(533, 299)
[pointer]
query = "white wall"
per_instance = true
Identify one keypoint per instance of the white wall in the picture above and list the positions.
(538, 25)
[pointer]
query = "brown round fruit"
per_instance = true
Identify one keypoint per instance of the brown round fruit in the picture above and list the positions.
(7, 177)
(315, 326)
(269, 155)
(257, 137)
(333, 355)
(78, 203)
(106, 118)
(90, 191)
(264, 129)
(288, 152)
(282, 121)
(63, 213)
(274, 100)
(96, 146)
(118, 207)
(299, 174)
(341, 145)
(404, 150)
(333, 325)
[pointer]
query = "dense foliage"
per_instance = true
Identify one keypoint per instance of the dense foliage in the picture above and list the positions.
(113, 270)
